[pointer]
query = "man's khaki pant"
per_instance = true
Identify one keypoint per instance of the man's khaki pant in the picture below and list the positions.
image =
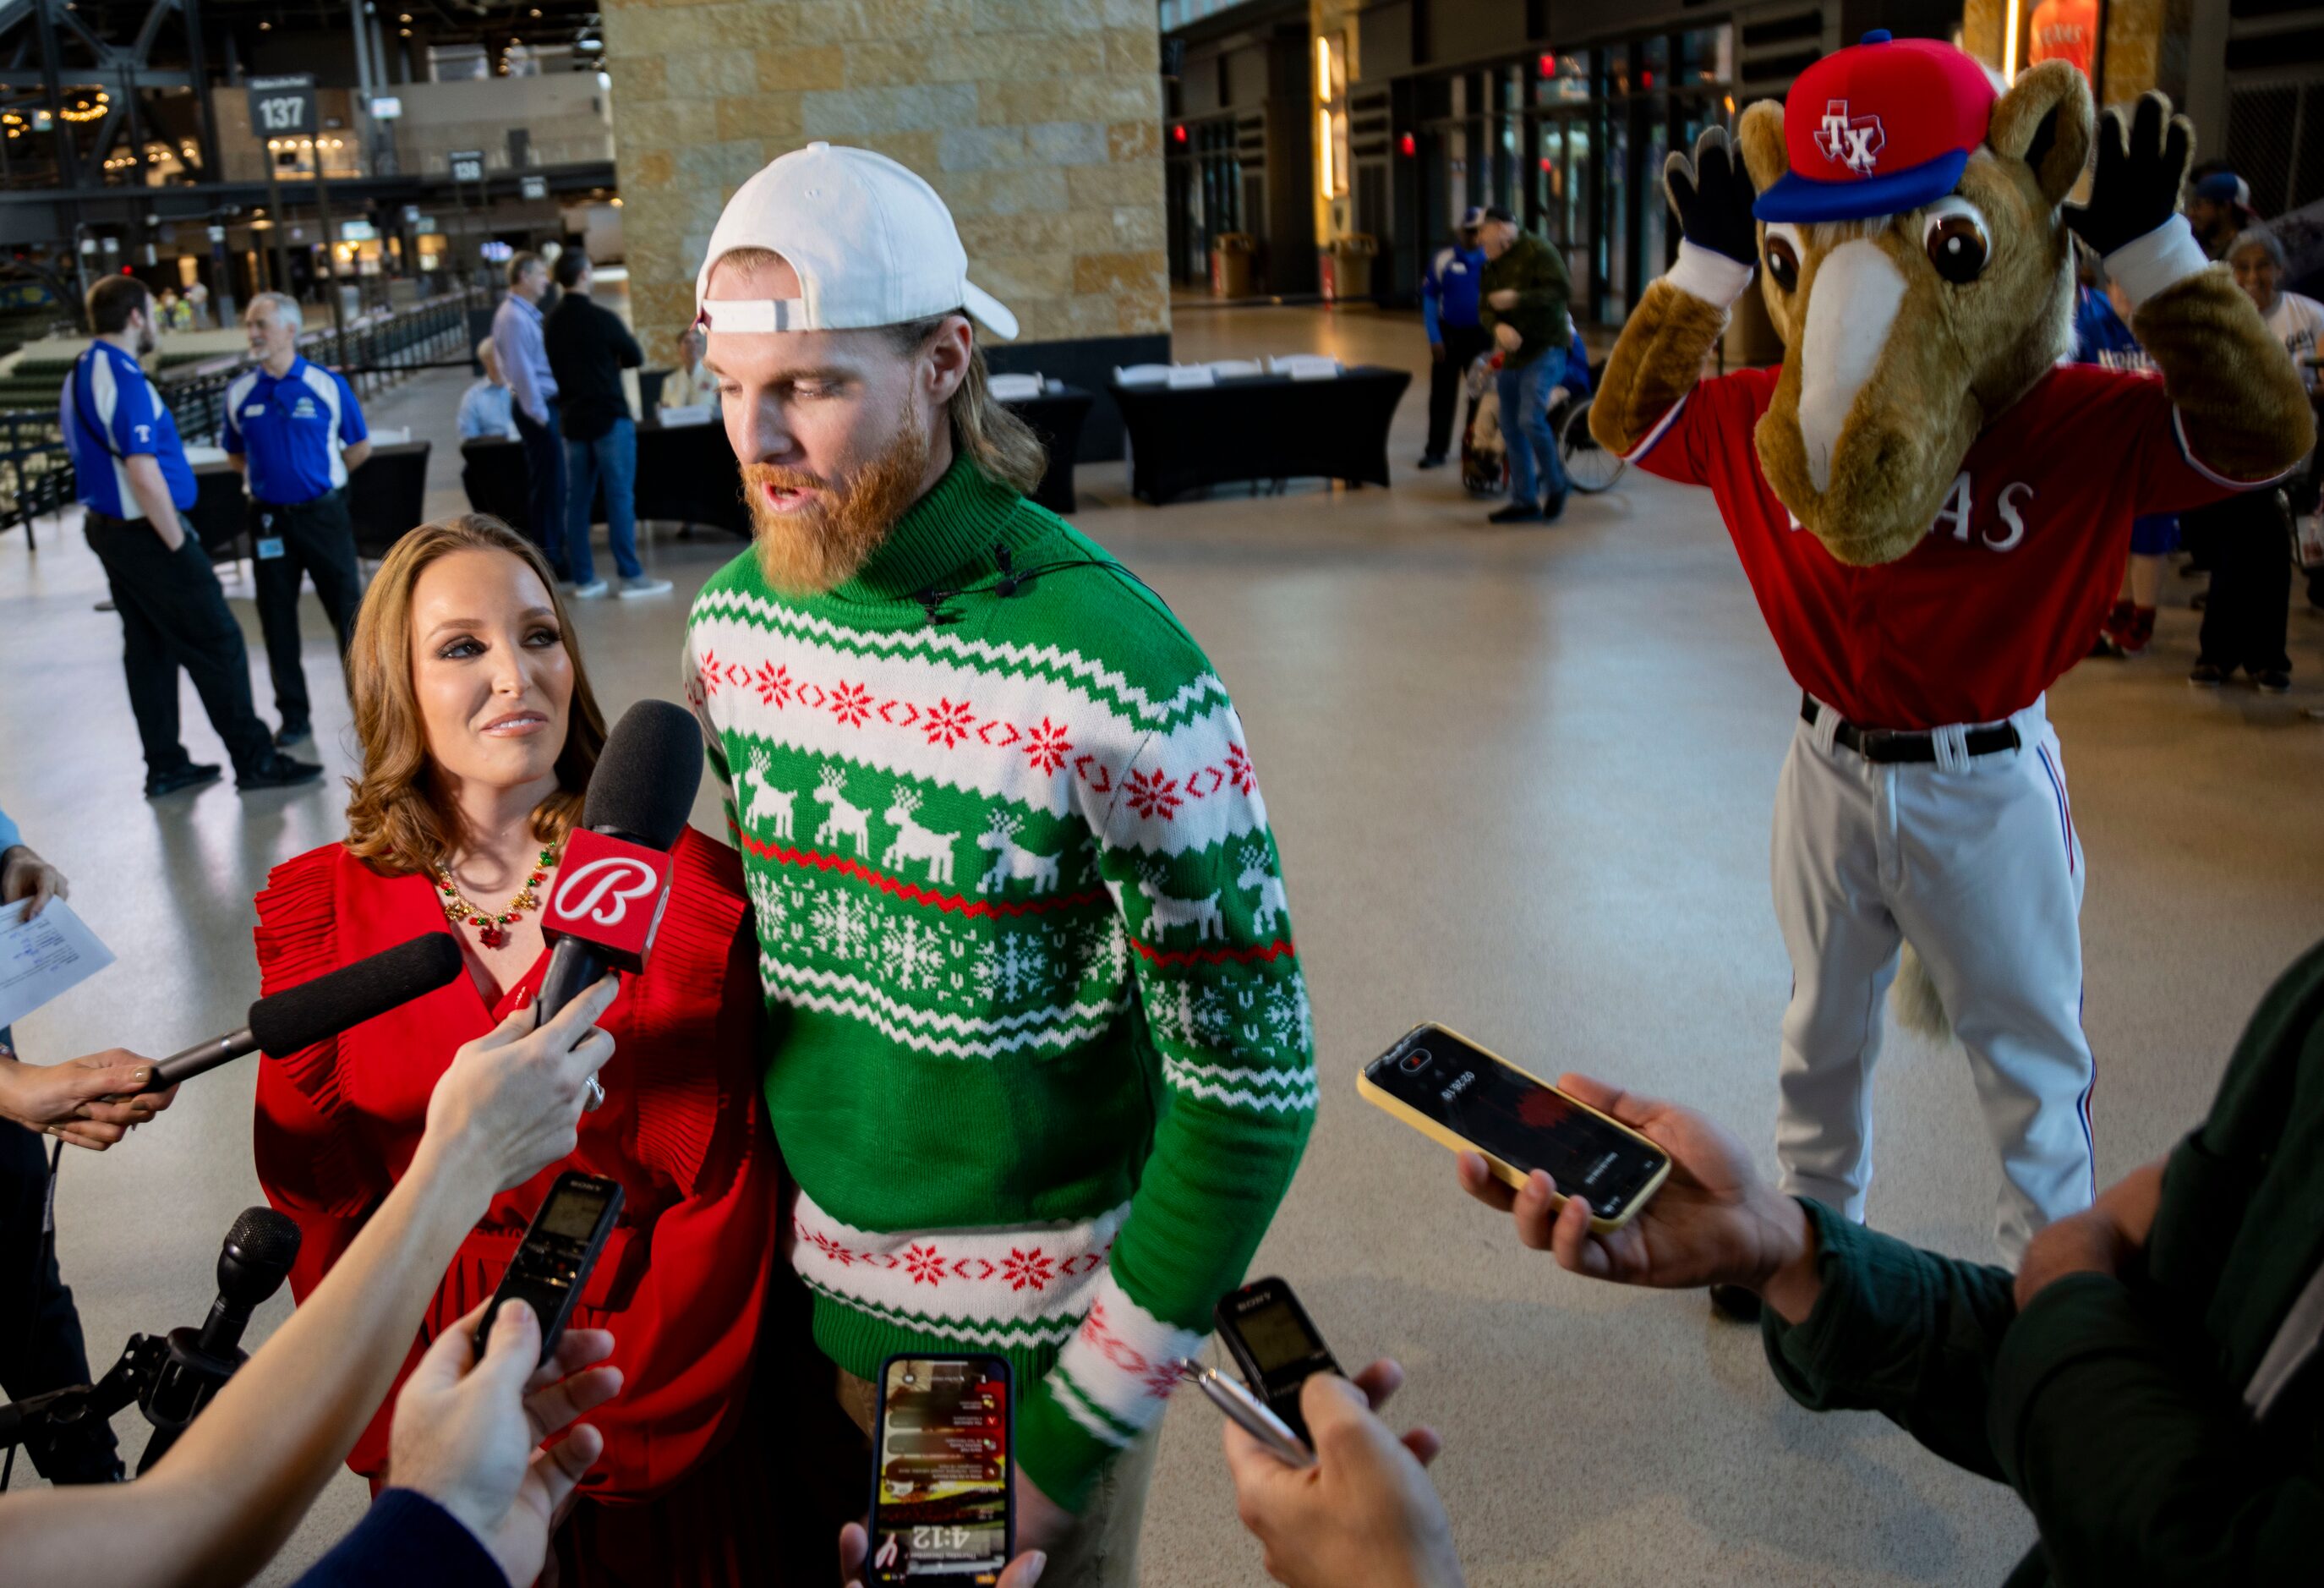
(1101, 1551)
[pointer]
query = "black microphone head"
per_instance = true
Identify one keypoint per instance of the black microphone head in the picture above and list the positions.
(257, 1257)
(299, 1017)
(644, 785)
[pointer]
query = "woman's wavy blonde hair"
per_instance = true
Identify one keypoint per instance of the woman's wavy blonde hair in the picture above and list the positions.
(399, 818)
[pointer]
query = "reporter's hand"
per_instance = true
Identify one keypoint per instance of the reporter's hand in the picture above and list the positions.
(2108, 1237)
(855, 1546)
(1365, 1512)
(90, 1102)
(1507, 337)
(1714, 1221)
(512, 1101)
(25, 875)
(468, 1434)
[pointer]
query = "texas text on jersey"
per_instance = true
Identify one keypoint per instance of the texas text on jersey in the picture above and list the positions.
(2016, 574)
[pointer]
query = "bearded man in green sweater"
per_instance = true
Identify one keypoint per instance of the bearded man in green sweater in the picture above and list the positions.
(1039, 1055)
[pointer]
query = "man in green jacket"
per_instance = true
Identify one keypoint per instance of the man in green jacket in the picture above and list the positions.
(1525, 297)
(2148, 1381)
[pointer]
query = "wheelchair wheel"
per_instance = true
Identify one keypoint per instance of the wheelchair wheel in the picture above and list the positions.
(1590, 468)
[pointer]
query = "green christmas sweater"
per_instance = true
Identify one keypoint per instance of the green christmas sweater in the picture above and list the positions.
(1039, 1054)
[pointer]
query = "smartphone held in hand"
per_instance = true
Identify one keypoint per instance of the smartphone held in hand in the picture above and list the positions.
(1458, 1093)
(941, 1498)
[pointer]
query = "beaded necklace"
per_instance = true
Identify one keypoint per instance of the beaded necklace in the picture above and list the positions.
(494, 924)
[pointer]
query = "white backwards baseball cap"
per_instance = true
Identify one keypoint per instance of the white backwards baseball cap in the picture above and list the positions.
(872, 244)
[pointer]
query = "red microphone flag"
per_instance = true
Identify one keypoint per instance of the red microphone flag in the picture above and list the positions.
(610, 894)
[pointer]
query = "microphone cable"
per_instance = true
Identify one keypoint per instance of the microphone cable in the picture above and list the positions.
(1010, 579)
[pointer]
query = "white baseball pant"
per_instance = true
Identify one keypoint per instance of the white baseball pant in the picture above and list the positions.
(1976, 863)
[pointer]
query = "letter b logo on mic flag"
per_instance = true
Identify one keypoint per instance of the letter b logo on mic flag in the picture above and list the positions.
(610, 894)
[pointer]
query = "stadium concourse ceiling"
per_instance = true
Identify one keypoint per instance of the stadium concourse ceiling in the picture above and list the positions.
(88, 31)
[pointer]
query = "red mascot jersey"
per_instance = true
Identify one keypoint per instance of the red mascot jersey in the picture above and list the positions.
(2015, 577)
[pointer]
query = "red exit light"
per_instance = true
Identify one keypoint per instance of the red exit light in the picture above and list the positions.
(1408, 145)
(1548, 66)
(1648, 78)
(1179, 134)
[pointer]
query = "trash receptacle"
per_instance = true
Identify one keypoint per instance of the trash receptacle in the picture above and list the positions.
(1230, 255)
(1351, 265)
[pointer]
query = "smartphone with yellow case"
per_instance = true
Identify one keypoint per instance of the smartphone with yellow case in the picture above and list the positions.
(1467, 1097)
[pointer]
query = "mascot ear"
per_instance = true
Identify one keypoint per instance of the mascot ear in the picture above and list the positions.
(1761, 134)
(2045, 120)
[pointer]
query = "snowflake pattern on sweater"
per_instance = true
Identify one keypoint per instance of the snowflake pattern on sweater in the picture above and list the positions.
(1041, 1057)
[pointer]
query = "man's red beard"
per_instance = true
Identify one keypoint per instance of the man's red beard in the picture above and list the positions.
(816, 547)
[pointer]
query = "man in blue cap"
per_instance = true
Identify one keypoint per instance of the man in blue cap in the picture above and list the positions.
(2219, 209)
(1448, 310)
(296, 430)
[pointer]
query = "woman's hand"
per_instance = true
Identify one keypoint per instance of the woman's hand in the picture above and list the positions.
(1365, 1512)
(1714, 1221)
(91, 1102)
(25, 875)
(511, 1104)
(1507, 298)
(1507, 338)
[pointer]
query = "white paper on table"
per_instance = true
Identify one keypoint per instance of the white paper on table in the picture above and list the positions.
(43, 958)
(675, 419)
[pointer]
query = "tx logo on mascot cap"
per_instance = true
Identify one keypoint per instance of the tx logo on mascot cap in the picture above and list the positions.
(1900, 117)
(610, 894)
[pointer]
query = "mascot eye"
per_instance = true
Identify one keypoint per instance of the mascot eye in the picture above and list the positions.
(1782, 263)
(1957, 247)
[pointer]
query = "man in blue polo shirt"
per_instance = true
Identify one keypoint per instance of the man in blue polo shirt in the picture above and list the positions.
(296, 430)
(1448, 312)
(135, 484)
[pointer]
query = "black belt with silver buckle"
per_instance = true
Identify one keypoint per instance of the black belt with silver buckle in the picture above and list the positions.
(1886, 747)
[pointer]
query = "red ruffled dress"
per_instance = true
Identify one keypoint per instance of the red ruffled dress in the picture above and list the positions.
(684, 1277)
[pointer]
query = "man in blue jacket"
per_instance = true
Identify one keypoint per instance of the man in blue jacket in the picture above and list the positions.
(1448, 308)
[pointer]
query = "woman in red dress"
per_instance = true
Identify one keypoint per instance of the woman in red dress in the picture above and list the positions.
(479, 733)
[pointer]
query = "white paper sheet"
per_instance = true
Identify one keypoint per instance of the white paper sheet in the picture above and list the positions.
(40, 958)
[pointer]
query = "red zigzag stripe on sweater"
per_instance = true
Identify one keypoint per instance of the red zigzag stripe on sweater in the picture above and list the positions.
(911, 892)
(1246, 956)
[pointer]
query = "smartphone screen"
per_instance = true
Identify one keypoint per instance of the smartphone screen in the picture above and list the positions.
(1514, 1117)
(940, 1497)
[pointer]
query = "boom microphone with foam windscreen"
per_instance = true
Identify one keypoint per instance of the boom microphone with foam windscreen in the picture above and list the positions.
(613, 880)
(299, 1017)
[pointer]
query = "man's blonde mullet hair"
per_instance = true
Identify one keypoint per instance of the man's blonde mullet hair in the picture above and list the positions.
(996, 440)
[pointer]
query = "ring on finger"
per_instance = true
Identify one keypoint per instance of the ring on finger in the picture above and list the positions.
(596, 1096)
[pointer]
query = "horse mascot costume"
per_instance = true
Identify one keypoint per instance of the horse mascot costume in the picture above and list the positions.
(1933, 513)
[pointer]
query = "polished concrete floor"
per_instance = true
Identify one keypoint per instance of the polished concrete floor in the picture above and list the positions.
(1522, 783)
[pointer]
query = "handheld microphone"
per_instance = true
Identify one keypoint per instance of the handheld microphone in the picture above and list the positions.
(298, 1017)
(613, 880)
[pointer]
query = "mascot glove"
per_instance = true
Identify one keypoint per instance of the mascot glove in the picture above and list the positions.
(2135, 190)
(1708, 274)
(2157, 261)
(1711, 195)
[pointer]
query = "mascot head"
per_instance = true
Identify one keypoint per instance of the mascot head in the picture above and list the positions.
(1916, 261)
